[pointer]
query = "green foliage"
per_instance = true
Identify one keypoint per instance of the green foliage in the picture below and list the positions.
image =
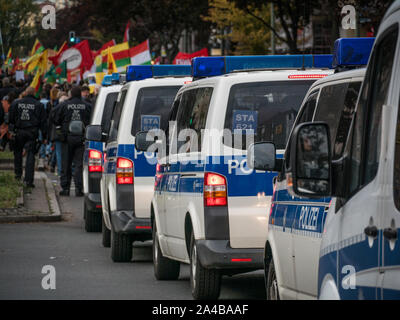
(17, 24)
(246, 32)
(9, 190)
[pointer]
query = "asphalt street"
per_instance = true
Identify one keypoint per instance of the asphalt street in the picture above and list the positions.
(84, 269)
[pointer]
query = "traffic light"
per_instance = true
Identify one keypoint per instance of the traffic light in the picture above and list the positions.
(72, 38)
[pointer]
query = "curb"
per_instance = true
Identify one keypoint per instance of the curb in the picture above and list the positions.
(30, 218)
(51, 198)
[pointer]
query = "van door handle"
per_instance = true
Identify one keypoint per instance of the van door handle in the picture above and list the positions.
(371, 231)
(390, 233)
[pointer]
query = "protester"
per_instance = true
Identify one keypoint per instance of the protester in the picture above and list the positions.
(54, 135)
(5, 136)
(7, 87)
(73, 116)
(26, 117)
(43, 146)
(86, 94)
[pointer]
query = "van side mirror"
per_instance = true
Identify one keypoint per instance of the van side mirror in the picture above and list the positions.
(310, 161)
(262, 156)
(94, 133)
(141, 142)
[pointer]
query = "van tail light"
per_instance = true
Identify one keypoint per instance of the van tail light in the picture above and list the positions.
(215, 190)
(95, 161)
(124, 171)
(158, 176)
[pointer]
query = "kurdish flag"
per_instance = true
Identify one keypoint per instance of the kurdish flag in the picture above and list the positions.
(120, 53)
(111, 65)
(37, 84)
(37, 47)
(140, 54)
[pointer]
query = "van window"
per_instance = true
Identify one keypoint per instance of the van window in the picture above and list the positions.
(108, 110)
(367, 129)
(330, 105)
(192, 113)
(307, 114)
(116, 116)
(266, 110)
(153, 105)
(345, 117)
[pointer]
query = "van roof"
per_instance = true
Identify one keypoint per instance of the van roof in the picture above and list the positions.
(258, 75)
(156, 81)
(357, 73)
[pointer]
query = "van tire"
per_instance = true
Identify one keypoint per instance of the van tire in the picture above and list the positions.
(205, 283)
(106, 239)
(271, 285)
(121, 247)
(164, 268)
(92, 220)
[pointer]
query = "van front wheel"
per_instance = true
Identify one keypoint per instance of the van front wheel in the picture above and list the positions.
(205, 283)
(92, 220)
(121, 247)
(164, 268)
(272, 282)
(106, 235)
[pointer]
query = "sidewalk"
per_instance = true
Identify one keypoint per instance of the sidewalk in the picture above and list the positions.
(39, 205)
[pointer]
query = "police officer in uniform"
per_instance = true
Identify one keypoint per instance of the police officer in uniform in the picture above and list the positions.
(73, 116)
(26, 117)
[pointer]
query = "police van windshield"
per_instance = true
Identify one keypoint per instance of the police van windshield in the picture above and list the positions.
(152, 108)
(266, 110)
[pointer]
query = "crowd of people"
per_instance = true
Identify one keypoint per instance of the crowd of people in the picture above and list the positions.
(49, 128)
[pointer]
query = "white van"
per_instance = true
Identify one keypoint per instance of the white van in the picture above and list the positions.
(209, 208)
(360, 256)
(92, 158)
(127, 181)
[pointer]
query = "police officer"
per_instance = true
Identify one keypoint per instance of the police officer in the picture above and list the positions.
(73, 116)
(26, 117)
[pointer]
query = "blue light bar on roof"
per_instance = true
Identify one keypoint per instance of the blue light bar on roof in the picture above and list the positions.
(107, 80)
(144, 72)
(164, 70)
(115, 77)
(134, 73)
(215, 66)
(350, 52)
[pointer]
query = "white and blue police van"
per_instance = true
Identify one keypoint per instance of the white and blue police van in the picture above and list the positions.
(127, 182)
(209, 208)
(93, 157)
(296, 224)
(359, 255)
(360, 251)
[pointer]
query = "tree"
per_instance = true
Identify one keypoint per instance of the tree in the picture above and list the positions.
(165, 22)
(16, 24)
(292, 15)
(246, 32)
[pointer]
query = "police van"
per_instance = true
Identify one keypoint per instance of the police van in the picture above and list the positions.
(93, 156)
(359, 256)
(127, 181)
(209, 208)
(296, 224)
